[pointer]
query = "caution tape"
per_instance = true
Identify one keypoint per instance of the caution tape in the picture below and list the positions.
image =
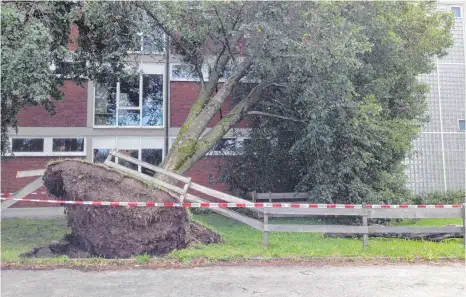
(226, 205)
(6, 194)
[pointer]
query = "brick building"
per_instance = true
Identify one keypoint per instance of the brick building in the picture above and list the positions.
(131, 116)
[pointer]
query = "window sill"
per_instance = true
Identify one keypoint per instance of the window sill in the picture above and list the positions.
(42, 154)
(128, 127)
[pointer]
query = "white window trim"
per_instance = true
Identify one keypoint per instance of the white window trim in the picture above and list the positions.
(458, 122)
(461, 11)
(141, 50)
(205, 74)
(117, 107)
(227, 153)
(48, 148)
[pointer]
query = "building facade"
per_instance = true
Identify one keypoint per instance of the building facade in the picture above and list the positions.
(134, 117)
(438, 161)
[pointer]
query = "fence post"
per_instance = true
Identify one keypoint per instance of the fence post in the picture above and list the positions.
(270, 196)
(365, 236)
(464, 225)
(266, 228)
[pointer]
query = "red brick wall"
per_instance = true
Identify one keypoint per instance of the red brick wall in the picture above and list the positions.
(70, 112)
(11, 184)
(74, 32)
(200, 174)
(182, 97)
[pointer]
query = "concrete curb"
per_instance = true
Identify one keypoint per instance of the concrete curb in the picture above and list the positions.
(35, 213)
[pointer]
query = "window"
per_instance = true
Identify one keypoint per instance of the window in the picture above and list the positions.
(132, 154)
(27, 145)
(136, 101)
(105, 105)
(151, 156)
(152, 100)
(46, 146)
(64, 69)
(461, 125)
(186, 72)
(147, 149)
(149, 43)
(68, 145)
(224, 147)
(456, 11)
(100, 155)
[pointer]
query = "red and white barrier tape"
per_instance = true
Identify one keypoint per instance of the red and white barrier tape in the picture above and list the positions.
(414, 206)
(33, 193)
(226, 205)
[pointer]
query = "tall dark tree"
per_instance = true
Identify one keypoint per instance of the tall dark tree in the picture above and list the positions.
(351, 129)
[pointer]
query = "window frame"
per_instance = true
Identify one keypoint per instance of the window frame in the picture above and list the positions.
(136, 144)
(461, 11)
(459, 125)
(204, 69)
(141, 49)
(237, 144)
(48, 148)
(117, 106)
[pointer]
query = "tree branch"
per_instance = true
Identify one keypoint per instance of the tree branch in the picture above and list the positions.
(275, 116)
(208, 141)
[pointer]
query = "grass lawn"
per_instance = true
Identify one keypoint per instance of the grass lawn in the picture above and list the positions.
(243, 242)
(19, 236)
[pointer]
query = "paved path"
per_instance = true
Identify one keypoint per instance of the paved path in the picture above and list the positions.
(359, 281)
(34, 213)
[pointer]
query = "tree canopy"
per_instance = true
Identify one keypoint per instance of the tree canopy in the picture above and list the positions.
(34, 37)
(330, 88)
(351, 129)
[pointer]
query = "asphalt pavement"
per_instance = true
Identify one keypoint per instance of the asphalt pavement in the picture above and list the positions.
(405, 280)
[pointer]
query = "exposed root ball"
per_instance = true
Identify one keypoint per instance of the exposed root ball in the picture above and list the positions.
(119, 232)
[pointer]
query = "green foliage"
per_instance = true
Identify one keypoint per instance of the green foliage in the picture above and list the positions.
(142, 259)
(63, 259)
(449, 197)
(34, 37)
(352, 117)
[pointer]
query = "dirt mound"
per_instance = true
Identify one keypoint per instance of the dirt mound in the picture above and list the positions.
(120, 232)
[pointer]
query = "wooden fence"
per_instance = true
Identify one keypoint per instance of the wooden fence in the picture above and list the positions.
(365, 213)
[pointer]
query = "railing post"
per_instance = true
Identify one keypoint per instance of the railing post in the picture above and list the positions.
(266, 228)
(464, 225)
(365, 236)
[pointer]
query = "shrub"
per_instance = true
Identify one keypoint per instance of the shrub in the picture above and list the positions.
(449, 197)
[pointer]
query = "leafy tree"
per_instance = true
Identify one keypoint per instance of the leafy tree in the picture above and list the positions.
(34, 37)
(351, 129)
(270, 48)
(318, 77)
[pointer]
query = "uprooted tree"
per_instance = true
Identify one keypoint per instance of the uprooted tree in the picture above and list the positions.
(278, 60)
